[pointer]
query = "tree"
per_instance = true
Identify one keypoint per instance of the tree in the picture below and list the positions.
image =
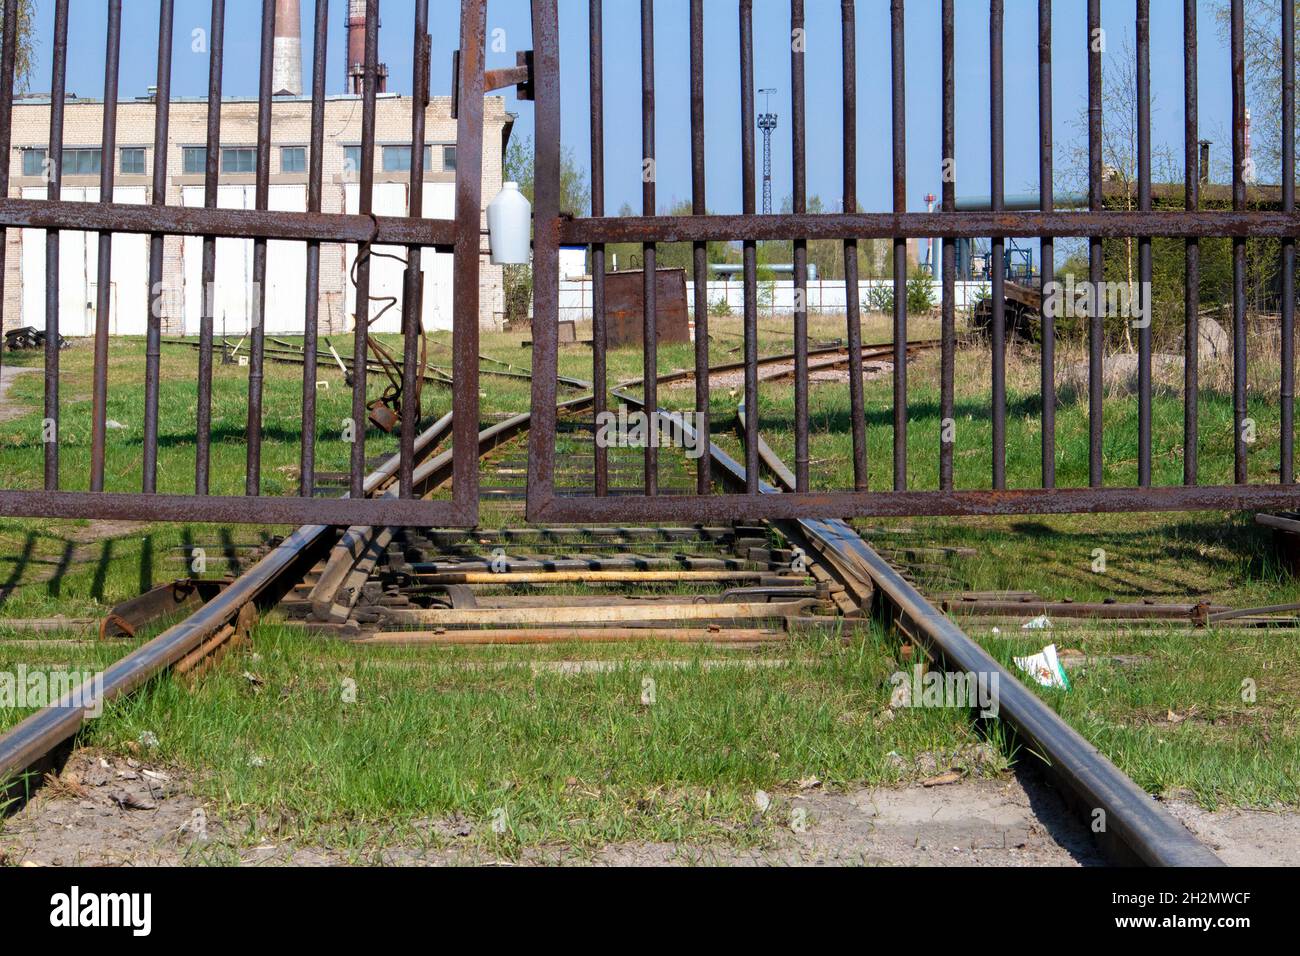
(575, 198)
(681, 255)
(1119, 165)
(25, 45)
(1262, 43)
(575, 195)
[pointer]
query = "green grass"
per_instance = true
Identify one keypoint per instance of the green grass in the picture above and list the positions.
(575, 758)
(1221, 558)
(1169, 707)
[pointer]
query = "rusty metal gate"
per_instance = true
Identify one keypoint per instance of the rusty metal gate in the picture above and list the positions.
(460, 236)
(1193, 224)
(896, 494)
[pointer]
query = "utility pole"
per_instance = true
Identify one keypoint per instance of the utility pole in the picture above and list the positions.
(767, 123)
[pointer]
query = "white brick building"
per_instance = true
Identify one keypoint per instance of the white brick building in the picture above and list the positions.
(24, 290)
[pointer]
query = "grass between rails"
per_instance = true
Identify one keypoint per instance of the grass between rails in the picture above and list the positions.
(576, 758)
(570, 757)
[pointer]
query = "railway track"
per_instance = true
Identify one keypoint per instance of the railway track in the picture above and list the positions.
(729, 585)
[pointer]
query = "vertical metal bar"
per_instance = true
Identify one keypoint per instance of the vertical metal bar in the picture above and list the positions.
(157, 294)
(469, 212)
(899, 117)
(998, 247)
(1096, 203)
(948, 320)
(599, 333)
(852, 289)
(412, 287)
(208, 294)
(546, 245)
(7, 57)
(1288, 244)
(311, 311)
(54, 164)
(261, 199)
(1192, 253)
(1047, 255)
(700, 264)
(750, 251)
(365, 205)
(798, 148)
(650, 340)
(1239, 406)
(1143, 297)
(103, 296)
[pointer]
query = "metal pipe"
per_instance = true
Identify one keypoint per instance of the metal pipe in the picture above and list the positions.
(104, 290)
(311, 308)
(54, 165)
(156, 291)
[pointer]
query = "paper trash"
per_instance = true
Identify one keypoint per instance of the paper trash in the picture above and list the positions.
(1045, 668)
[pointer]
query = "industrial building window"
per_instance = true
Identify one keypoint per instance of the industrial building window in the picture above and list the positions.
(132, 161)
(352, 160)
(81, 162)
(449, 159)
(33, 162)
(293, 159)
(194, 160)
(397, 159)
(238, 159)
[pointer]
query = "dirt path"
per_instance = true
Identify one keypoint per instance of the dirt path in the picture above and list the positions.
(8, 373)
(108, 810)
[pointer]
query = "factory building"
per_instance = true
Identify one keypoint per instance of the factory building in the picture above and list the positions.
(234, 297)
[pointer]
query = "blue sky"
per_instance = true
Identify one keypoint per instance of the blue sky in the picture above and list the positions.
(622, 82)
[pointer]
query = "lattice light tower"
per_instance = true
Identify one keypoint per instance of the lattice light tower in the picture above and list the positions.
(767, 123)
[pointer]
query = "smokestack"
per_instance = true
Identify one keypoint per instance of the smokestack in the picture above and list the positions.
(1205, 161)
(1249, 159)
(286, 74)
(356, 65)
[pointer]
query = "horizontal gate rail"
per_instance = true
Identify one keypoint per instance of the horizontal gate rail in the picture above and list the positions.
(1143, 223)
(229, 223)
(460, 236)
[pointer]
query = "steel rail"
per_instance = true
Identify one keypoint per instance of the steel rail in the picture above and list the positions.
(358, 542)
(29, 742)
(1136, 828)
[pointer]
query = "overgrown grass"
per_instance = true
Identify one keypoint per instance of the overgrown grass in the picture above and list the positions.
(1210, 713)
(571, 757)
(576, 757)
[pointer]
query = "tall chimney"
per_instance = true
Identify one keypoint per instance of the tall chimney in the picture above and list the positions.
(286, 74)
(1205, 161)
(1249, 158)
(356, 65)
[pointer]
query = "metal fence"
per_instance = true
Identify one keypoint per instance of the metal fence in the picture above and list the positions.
(554, 228)
(853, 226)
(460, 236)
